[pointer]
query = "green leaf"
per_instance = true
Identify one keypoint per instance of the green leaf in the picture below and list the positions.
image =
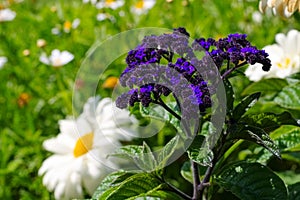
(294, 191)
(289, 97)
(139, 186)
(158, 112)
(287, 138)
(167, 151)
(111, 180)
(252, 181)
(256, 135)
(142, 156)
(203, 156)
(266, 86)
(269, 121)
(186, 171)
(245, 104)
(289, 177)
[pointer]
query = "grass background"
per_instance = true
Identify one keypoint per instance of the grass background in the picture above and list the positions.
(34, 96)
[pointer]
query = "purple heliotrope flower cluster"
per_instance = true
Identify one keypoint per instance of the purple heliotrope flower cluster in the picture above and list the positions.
(168, 64)
(234, 49)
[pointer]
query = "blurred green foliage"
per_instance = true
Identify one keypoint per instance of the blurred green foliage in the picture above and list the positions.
(35, 96)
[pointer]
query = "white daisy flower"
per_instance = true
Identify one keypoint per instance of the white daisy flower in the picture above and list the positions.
(284, 56)
(101, 16)
(92, 1)
(142, 6)
(284, 8)
(3, 60)
(7, 15)
(81, 148)
(57, 58)
(113, 4)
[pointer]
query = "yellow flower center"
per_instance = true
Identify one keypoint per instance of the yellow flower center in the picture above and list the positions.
(139, 4)
(285, 64)
(67, 25)
(108, 2)
(83, 144)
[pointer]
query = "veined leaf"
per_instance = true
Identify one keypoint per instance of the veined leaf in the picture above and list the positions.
(158, 112)
(289, 97)
(256, 135)
(111, 180)
(203, 156)
(269, 121)
(137, 186)
(245, 104)
(266, 86)
(287, 138)
(142, 156)
(252, 181)
(167, 151)
(294, 191)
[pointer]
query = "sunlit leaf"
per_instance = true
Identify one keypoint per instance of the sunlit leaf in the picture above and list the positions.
(142, 156)
(289, 97)
(113, 179)
(256, 135)
(266, 86)
(139, 186)
(203, 156)
(269, 121)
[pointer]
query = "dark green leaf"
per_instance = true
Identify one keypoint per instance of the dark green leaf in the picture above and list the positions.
(111, 180)
(266, 86)
(245, 104)
(203, 156)
(252, 181)
(268, 121)
(256, 135)
(229, 96)
(139, 186)
(186, 171)
(294, 191)
(289, 97)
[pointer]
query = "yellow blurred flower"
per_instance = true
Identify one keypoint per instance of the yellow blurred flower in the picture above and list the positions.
(110, 82)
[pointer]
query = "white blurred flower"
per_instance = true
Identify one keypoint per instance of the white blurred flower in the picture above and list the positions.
(7, 15)
(57, 58)
(284, 8)
(81, 148)
(257, 17)
(92, 1)
(142, 6)
(3, 60)
(284, 56)
(101, 16)
(113, 4)
(41, 43)
(67, 26)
